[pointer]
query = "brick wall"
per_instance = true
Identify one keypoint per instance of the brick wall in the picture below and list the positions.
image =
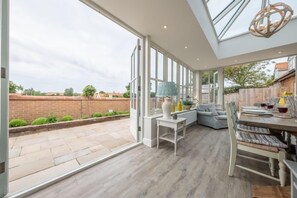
(32, 107)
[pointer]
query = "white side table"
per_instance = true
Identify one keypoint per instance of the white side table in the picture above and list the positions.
(177, 125)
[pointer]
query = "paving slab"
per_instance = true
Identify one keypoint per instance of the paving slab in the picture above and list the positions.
(36, 158)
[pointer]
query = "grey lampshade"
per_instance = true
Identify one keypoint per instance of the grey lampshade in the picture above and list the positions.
(166, 89)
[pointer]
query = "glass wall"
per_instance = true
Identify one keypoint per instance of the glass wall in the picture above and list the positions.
(165, 68)
(208, 87)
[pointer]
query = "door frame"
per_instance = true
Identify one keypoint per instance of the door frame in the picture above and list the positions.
(4, 16)
(135, 90)
(215, 87)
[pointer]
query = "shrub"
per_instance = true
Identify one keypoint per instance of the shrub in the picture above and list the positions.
(52, 119)
(67, 118)
(97, 115)
(17, 123)
(123, 112)
(40, 121)
(109, 114)
(233, 89)
(126, 95)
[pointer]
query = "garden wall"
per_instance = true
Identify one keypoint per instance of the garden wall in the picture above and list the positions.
(32, 107)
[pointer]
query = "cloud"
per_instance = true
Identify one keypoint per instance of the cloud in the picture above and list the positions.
(59, 44)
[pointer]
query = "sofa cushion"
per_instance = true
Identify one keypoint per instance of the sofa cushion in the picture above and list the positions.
(213, 111)
(221, 117)
(221, 112)
(204, 107)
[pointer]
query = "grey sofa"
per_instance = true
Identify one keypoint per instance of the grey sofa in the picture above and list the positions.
(208, 115)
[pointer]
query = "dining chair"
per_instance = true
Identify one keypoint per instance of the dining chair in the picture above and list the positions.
(259, 144)
(247, 128)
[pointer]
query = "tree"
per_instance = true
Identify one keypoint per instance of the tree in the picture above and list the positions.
(127, 93)
(101, 92)
(250, 74)
(89, 91)
(205, 77)
(29, 92)
(32, 92)
(76, 94)
(68, 92)
(13, 88)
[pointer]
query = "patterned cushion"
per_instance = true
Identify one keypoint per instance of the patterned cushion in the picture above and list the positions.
(268, 140)
(252, 129)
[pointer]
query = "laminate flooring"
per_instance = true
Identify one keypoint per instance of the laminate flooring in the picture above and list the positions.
(199, 170)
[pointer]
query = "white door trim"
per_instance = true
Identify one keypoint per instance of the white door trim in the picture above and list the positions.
(4, 96)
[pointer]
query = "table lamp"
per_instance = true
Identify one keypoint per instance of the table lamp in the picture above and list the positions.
(166, 89)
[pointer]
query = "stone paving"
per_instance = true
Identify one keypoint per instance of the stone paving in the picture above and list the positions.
(36, 158)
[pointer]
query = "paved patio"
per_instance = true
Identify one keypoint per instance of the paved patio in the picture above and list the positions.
(38, 157)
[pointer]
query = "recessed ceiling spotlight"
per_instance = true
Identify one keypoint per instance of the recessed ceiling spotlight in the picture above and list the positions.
(165, 26)
(197, 59)
(186, 47)
(280, 52)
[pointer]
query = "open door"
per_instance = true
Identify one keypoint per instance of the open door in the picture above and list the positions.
(135, 91)
(4, 59)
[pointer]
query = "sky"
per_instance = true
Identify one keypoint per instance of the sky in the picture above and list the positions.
(58, 44)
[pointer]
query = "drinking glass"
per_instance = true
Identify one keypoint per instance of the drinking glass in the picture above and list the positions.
(270, 106)
(283, 109)
(263, 105)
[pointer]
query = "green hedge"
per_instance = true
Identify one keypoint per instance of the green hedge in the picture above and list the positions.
(17, 123)
(67, 118)
(40, 121)
(97, 115)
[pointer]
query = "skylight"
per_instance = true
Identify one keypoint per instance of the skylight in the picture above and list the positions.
(233, 17)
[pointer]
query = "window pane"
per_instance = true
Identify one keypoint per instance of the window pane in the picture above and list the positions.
(181, 92)
(160, 66)
(185, 76)
(169, 63)
(152, 101)
(190, 77)
(174, 68)
(153, 63)
(181, 75)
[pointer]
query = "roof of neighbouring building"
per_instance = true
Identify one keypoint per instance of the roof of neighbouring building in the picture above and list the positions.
(281, 66)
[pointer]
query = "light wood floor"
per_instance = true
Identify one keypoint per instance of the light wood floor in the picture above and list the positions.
(199, 170)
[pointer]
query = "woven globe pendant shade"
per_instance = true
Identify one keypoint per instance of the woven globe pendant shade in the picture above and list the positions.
(262, 24)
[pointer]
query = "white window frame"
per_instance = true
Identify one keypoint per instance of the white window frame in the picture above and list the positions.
(184, 86)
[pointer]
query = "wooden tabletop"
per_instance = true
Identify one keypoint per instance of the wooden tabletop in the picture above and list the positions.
(271, 122)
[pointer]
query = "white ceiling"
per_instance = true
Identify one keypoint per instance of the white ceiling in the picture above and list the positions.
(189, 25)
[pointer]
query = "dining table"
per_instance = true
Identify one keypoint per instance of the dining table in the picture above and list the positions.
(274, 121)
